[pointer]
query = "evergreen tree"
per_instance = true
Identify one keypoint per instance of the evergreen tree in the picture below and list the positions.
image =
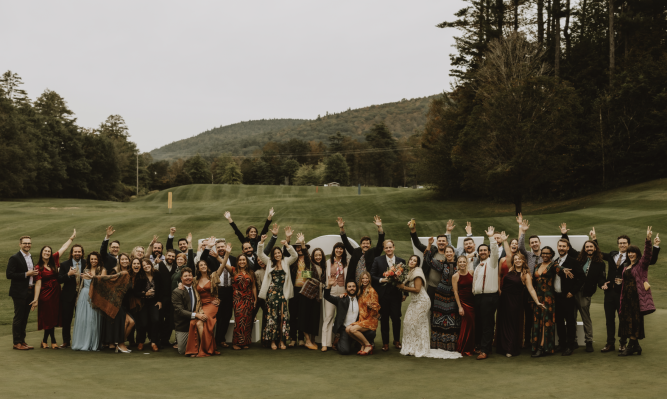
(336, 170)
(232, 174)
(198, 170)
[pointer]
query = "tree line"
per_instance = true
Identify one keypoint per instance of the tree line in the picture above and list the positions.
(552, 98)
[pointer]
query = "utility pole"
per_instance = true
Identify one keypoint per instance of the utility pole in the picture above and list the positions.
(137, 175)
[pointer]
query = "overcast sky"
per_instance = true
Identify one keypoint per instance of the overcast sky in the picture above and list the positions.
(173, 69)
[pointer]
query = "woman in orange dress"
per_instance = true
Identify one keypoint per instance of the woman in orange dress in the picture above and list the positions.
(369, 313)
(201, 339)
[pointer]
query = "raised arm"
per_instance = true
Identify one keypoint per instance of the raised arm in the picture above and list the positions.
(105, 244)
(523, 227)
(170, 238)
(379, 247)
(260, 252)
(292, 252)
(655, 249)
(493, 259)
(412, 225)
(237, 232)
(67, 244)
(223, 261)
(267, 223)
(343, 236)
(646, 257)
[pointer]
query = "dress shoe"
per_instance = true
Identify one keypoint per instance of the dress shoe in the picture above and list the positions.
(589, 347)
(385, 347)
(567, 352)
(154, 347)
(621, 348)
(44, 345)
(633, 347)
(397, 345)
(20, 347)
(63, 346)
(27, 346)
(538, 353)
(482, 356)
(608, 348)
(140, 347)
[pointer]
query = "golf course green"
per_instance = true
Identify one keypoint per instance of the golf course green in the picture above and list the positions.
(297, 373)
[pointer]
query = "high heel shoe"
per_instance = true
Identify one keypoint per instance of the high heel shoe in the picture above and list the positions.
(44, 345)
(122, 351)
(55, 346)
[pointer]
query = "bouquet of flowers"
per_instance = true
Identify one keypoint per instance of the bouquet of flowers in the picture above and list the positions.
(396, 274)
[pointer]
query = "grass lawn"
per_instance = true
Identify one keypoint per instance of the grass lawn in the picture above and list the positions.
(300, 373)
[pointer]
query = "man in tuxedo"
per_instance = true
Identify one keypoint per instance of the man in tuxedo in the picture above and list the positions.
(485, 288)
(225, 290)
(390, 297)
(166, 270)
(21, 270)
(67, 277)
(109, 251)
(361, 258)
(617, 261)
(182, 242)
(184, 309)
(567, 284)
(347, 312)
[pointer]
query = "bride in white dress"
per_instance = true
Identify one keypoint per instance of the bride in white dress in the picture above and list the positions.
(416, 326)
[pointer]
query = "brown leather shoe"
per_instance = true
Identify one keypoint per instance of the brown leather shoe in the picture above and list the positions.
(27, 346)
(20, 347)
(385, 347)
(154, 347)
(63, 346)
(140, 347)
(482, 356)
(608, 348)
(397, 345)
(55, 346)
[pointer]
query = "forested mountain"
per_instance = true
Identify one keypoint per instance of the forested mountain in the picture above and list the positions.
(402, 118)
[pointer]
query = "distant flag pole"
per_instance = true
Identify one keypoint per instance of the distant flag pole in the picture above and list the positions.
(169, 202)
(359, 189)
(317, 189)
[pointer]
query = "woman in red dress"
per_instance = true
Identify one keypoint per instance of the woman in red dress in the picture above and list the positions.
(462, 284)
(244, 299)
(47, 292)
(201, 340)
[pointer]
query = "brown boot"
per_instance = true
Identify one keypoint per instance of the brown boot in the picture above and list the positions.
(608, 348)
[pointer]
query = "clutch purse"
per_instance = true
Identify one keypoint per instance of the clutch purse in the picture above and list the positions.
(306, 274)
(647, 286)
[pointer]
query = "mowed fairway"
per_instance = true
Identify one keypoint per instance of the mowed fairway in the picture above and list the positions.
(301, 373)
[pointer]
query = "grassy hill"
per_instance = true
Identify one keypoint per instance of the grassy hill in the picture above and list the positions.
(403, 118)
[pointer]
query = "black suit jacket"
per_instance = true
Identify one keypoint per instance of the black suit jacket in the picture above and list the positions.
(342, 305)
(594, 278)
(182, 310)
(212, 263)
(614, 272)
(380, 266)
(571, 285)
(68, 292)
(165, 279)
(16, 270)
(357, 253)
(109, 260)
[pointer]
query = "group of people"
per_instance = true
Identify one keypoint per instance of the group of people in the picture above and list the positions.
(463, 300)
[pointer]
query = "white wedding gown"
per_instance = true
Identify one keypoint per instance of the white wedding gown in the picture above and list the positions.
(416, 326)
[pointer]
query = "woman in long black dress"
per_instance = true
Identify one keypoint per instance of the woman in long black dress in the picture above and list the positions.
(116, 330)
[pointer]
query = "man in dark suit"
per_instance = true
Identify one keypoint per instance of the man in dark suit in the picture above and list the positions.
(166, 270)
(182, 242)
(347, 312)
(567, 284)
(109, 251)
(225, 290)
(390, 296)
(184, 309)
(67, 277)
(617, 261)
(22, 272)
(361, 257)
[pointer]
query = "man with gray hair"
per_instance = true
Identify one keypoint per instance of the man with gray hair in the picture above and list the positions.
(225, 290)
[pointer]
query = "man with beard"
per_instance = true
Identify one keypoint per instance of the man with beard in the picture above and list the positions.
(185, 302)
(67, 277)
(249, 250)
(567, 284)
(156, 253)
(485, 289)
(347, 312)
(390, 297)
(182, 242)
(225, 290)
(361, 258)
(592, 264)
(110, 257)
(534, 257)
(166, 270)
(617, 261)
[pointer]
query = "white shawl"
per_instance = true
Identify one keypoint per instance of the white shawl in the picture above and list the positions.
(288, 289)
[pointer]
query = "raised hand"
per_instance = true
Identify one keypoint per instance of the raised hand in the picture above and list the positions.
(189, 238)
(73, 236)
(271, 213)
(341, 222)
(228, 247)
(450, 226)
(228, 216)
(211, 242)
(430, 242)
(504, 236)
(110, 231)
(490, 231)
(300, 238)
(519, 218)
(377, 221)
(468, 228)
(288, 231)
(172, 231)
(592, 234)
(331, 281)
(412, 224)
(153, 241)
(262, 238)
(524, 225)
(656, 240)
(275, 229)
(649, 233)
(563, 228)
(283, 243)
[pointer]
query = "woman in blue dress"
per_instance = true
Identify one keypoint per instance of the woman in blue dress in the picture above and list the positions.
(87, 325)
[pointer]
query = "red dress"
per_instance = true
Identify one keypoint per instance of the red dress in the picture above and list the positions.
(244, 304)
(205, 345)
(466, 343)
(48, 310)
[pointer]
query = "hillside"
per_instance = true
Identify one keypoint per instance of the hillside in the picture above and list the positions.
(403, 118)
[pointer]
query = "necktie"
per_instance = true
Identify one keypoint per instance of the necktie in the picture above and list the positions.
(192, 300)
(619, 260)
(484, 279)
(225, 278)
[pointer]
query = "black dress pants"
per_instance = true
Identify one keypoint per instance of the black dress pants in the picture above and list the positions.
(390, 307)
(528, 316)
(166, 322)
(67, 312)
(149, 323)
(294, 304)
(612, 304)
(261, 304)
(566, 320)
(346, 344)
(485, 320)
(225, 312)
(21, 314)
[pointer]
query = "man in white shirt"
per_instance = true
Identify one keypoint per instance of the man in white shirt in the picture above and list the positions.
(347, 312)
(485, 288)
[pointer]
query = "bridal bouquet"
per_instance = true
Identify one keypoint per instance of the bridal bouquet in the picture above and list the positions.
(396, 274)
